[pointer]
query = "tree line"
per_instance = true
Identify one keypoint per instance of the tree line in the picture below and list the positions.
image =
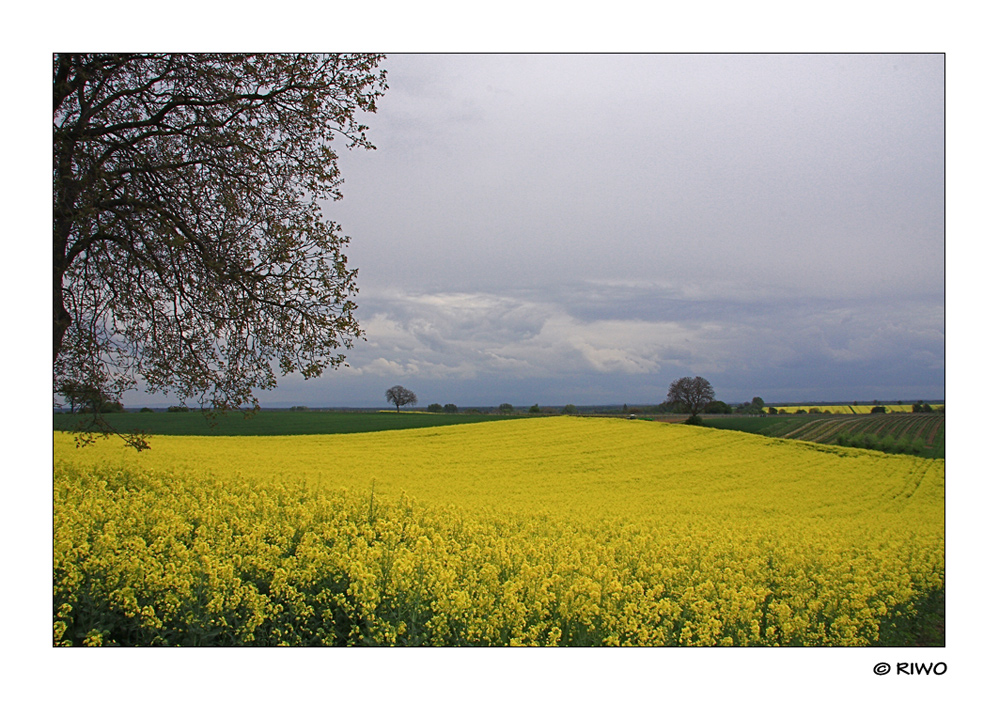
(691, 395)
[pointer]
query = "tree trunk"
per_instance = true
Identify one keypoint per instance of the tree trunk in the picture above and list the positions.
(60, 317)
(62, 226)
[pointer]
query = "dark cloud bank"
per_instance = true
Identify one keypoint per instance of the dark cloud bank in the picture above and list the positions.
(585, 229)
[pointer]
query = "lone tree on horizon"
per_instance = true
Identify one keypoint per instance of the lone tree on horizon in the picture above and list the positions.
(190, 250)
(693, 393)
(400, 396)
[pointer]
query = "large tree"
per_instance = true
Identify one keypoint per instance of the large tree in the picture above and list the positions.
(692, 393)
(400, 396)
(189, 246)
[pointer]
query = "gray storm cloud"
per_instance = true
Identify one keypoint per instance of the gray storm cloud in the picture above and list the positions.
(587, 228)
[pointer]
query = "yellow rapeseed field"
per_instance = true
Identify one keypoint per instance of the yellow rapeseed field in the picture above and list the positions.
(550, 531)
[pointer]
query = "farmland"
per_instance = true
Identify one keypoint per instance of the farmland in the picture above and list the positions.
(853, 409)
(273, 423)
(916, 434)
(554, 531)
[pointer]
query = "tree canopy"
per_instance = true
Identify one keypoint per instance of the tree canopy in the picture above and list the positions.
(189, 246)
(400, 396)
(693, 393)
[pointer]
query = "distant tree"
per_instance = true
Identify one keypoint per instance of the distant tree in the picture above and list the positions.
(436, 408)
(506, 408)
(878, 410)
(717, 407)
(772, 410)
(111, 407)
(569, 409)
(79, 394)
(450, 409)
(89, 398)
(693, 393)
(535, 409)
(400, 396)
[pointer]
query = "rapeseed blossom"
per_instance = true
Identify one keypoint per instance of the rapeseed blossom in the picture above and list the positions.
(558, 531)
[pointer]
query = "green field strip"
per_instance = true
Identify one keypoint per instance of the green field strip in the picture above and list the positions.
(879, 425)
(922, 428)
(831, 431)
(885, 433)
(794, 433)
(272, 423)
(935, 428)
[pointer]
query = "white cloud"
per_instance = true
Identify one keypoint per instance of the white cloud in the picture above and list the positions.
(383, 367)
(469, 335)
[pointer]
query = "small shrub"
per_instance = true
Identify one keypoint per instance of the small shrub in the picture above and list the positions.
(694, 420)
(910, 446)
(145, 410)
(888, 444)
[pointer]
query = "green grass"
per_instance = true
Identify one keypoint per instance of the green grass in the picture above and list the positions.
(271, 423)
(776, 426)
(916, 434)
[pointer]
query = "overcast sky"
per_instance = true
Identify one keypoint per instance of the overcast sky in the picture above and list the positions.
(587, 228)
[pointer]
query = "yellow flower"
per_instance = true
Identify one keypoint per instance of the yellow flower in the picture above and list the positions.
(548, 531)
